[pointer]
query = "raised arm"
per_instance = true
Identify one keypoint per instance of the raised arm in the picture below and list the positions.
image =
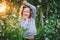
(32, 7)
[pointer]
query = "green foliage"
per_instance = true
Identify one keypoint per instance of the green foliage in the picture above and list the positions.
(47, 21)
(10, 24)
(11, 28)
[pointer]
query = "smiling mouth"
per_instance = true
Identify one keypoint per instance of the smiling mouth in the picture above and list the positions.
(25, 15)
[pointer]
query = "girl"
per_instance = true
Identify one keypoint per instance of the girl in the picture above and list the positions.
(27, 21)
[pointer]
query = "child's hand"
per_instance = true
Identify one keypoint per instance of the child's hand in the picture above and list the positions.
(24, 2)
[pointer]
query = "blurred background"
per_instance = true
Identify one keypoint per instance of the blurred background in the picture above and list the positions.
(47, 19)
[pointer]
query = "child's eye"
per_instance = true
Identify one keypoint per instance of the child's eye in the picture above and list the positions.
(26, 11)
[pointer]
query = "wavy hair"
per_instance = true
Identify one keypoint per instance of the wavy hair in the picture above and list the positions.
(21, 11)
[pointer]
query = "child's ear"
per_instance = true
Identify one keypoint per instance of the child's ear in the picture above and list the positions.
(31, 11)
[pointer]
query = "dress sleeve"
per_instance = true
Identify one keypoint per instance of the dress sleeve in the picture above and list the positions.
(33, 10)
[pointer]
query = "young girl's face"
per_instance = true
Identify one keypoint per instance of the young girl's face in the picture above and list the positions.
(26, 12)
